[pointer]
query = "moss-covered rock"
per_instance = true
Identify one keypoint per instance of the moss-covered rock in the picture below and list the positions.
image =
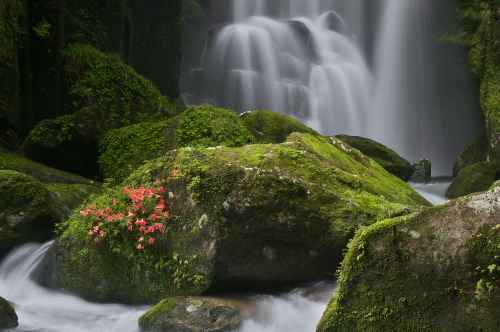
(421, 170)
(124, 149)
(104, 94)
(272, 127)
(476, 152)
(33, 198)
(189, 314)
(436, 270)
(474, 178)
(385, 157)
(8, 316)
(15, 162)
(243, 218)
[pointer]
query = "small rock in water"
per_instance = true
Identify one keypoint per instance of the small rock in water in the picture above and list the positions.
(191, 314)
(8, 316)
(421, 170)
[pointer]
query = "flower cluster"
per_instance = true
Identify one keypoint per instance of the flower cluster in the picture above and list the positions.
(142, 212)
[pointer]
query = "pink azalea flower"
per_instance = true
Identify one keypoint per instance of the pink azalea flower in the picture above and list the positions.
(161, 190)
(100, 212)
(167, 214)
(141, 239)
(151, 229)
(154, 216)
(96, 228)
(121, 216)
(109, 209)
(175, 171)
(126, 190)
(102, 233)
(151, 240)
(115, 201)
(129, 223)
(91, 232)
(130, 228)
(131, 215)
(84, 212)
(142, 229)
(140, 247)
(97, 240)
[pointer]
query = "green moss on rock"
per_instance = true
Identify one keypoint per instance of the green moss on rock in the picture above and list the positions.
(8, 316)
(33, 198)
(204, 126)
(474, 178)
(186, 314)
(124, 149)
(476, 152)
(104, 94)
(272, 204)
(272, 127)
(385, 157)
(436, 270)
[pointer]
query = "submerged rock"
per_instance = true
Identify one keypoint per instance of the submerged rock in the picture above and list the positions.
(256, 217)
(436, 270)
(385, 157)
(191, 314)
(8, 316)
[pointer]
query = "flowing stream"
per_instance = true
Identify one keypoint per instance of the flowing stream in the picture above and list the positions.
(367, 68)
(43, 310)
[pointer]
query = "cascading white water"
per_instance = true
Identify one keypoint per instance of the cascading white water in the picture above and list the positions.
(366, 68)
(43, 310)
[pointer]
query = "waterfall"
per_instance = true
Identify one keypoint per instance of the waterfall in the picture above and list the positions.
(366, 68)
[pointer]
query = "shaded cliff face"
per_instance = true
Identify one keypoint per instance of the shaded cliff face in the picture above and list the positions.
(479, 165)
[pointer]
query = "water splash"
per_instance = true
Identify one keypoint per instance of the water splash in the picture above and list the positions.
(366, 68)
(43, 310)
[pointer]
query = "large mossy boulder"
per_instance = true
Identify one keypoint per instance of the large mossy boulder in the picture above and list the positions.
(474, 178)
(125, 149)
(385, 157)
(8, 316)
(33, 198)
(272, 127)
(240, 218)
(104, 94)
(436, 270)
(192, 314)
